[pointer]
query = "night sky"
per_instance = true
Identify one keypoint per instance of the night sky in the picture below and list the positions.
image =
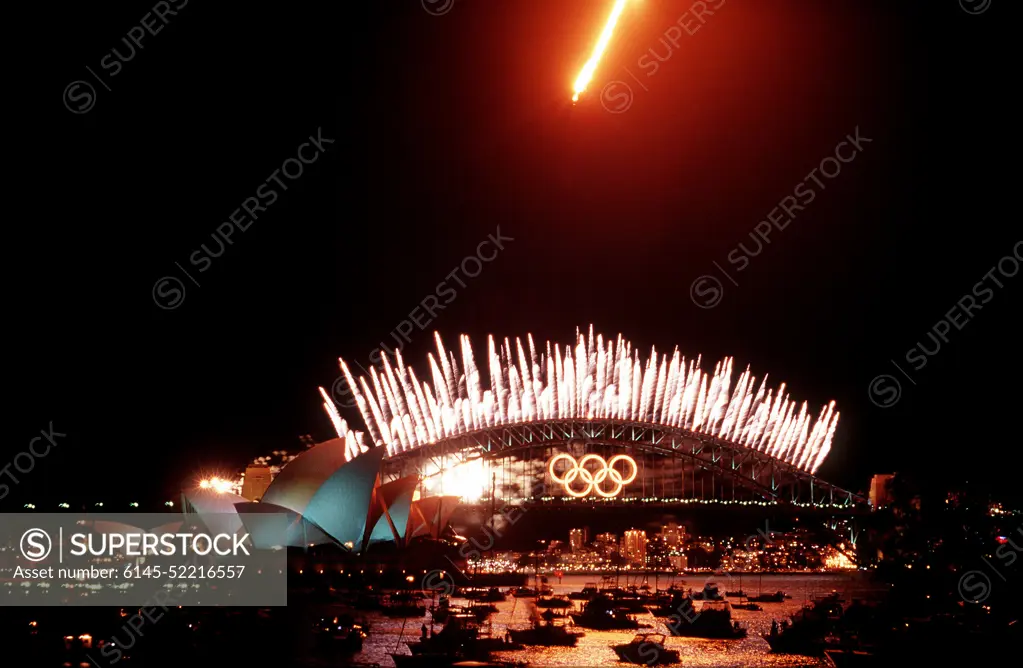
(448, 127)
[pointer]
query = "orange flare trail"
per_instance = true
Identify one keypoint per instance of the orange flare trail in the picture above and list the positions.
(586, 75)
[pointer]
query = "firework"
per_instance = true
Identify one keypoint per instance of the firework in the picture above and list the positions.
(592, 379)
(586, 75)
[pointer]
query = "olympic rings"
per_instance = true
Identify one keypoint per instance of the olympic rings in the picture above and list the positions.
(592, 479)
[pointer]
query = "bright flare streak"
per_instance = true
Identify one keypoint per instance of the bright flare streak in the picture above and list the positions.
(586, 75)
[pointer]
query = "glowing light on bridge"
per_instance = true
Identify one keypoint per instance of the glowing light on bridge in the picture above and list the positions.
(218, 485)
(586, 75)
(590, 380)
(468, 480)
(593, 480)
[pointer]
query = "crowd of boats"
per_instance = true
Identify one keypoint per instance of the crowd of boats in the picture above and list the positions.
(465, 632)
(453, 634)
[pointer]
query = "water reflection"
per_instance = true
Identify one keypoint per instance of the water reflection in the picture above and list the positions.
(387, 635)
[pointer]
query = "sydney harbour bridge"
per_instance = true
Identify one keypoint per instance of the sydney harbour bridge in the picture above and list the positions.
(655, 464)
(593, 424)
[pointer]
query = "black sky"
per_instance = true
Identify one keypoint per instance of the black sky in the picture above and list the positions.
(449, 126)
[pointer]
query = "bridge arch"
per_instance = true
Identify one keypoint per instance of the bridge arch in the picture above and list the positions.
(521, 451)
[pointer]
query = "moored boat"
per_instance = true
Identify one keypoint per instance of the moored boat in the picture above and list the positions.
(449, 661)
(547, 635)
(626, 599)
(809, 629)
(460, 637)
(554, 602)
(602, 614)
(747, 605)
(403, 605)
(850, 658)
(709, 592)
(647, 649)
(672, 602)
(341, 633)
(482, 594)
(588, 592)
(714, 620)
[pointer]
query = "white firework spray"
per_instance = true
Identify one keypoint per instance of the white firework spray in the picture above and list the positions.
(589, 379)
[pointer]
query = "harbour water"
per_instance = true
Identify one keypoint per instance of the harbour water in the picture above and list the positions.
(387, 636)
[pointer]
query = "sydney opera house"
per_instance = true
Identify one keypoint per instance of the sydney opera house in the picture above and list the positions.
(321, 497)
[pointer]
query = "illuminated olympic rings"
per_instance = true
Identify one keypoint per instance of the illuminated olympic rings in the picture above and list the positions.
(592, 479)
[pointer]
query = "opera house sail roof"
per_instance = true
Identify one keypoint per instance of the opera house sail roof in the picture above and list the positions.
(320, 497)
(328, 491)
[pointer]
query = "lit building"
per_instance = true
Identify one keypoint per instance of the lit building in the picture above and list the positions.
(879, 494)
(673, 535)
(607, 544)
(578, 538)
(255, 481)
(634, 546)
(741, 561)
(678, 561)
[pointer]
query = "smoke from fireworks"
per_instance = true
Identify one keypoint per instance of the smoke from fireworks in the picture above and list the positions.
(592, 379)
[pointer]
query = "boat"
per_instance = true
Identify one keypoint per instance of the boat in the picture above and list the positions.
(588, 592)
(547, 635)
(761, 597)
(602, 614)
(850, 658)
(646, 649)
(554, 602)
(747, 605)
(626, 599)
(524, 592)
(461, 637)
(402, 605)
(714, 620)
(482, 610)
(340, 633)
(809, 629)
(672, 602)
(491, 595)
(549, 615)
(482, 594)
(448, 661)
(709, 593)
(737, 593)
(444, 609)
